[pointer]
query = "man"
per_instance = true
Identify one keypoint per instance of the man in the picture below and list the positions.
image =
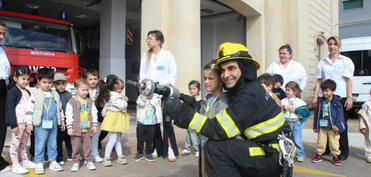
(4, 75)
(242, 138)
(290, 70)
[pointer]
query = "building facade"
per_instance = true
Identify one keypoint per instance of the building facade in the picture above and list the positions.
(354, 18)
(304, 25)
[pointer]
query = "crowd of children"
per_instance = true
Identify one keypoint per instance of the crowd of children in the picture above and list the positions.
(55, 116)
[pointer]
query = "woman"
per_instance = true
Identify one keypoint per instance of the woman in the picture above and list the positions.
(159, 65)
(340, 69)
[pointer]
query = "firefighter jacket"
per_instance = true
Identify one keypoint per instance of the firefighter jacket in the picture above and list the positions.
(252, 115)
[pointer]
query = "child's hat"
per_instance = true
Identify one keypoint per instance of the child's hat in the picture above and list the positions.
(59, 77)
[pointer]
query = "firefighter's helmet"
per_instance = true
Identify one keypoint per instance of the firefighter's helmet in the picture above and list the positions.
(233, 51)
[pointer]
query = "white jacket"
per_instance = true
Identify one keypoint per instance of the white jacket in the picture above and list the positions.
(142, 106)
(116, 104)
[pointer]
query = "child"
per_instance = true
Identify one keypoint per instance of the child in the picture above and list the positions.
(149, 113)
(191, 136)
(277, 86)
(92, 77)
(295, 111)
(267, 81)
(47, 116)
(81, 118)
(60, 84)
(365, 127)
(216, 101)
(19, 110)
(328, 122)
(116, 120)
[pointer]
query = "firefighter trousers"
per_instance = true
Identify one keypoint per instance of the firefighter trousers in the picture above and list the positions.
(241, 158)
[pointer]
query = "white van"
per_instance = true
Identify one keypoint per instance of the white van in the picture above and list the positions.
(359, 50)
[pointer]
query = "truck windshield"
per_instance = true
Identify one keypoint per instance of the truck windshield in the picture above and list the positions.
(361, 60)
(37, 36)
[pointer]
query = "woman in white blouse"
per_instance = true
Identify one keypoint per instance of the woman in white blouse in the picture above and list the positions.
(340, 69)
(159, 65)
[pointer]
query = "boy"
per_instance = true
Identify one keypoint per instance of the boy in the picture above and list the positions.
(149, 113)
(365, 127)
(328, 122)
(81, 118)
(92, 78)
(267, 81)
(48, 115)
(60, 84)
(278, 79)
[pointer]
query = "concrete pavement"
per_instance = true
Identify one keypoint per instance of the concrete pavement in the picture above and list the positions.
(187, 166)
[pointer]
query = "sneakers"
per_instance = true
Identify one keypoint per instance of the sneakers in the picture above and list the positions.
(39, 168)
(90, 166)
(121, 160)
(186, 152)
(336, 161)
(75, 167)
(149, 158)
(61, 163)
(18, 169)
(300, 159)
(368, 159)
(139, 157)
(55, 166)
(154, 154)
(197, 154)
(318, 158)
(107, 162)
(28, 164)
(98, 159)
(170, 155)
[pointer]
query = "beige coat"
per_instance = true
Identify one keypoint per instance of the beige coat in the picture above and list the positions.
(365, 122)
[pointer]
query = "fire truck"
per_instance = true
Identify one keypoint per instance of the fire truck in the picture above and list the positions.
(39, 42)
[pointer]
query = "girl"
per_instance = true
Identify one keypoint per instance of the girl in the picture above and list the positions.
(296, 113)
(159, 65)
(19, 111)
(116, 120)
(81, 119)
(191, 137)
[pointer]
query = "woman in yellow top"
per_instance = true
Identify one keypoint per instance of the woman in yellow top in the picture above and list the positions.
(116, 120)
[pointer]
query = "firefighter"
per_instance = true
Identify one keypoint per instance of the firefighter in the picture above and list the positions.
(243, 137)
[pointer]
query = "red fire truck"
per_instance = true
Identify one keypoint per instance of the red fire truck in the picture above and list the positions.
(38, 42)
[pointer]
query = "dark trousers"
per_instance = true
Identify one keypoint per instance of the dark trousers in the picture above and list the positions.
(157, 140)
(102, 135)
(145, 133)
(3, 91)
(169, 135)
(231, 158)
(63, 136)
(344, 145)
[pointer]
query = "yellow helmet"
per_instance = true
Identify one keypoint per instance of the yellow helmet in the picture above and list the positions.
(233, 51)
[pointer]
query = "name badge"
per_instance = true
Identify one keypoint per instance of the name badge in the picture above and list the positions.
(290, 73)
(47, 124)
(85, 124)
(323, 123)
(158, 68)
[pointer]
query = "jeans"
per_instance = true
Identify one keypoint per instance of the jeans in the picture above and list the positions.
(94, 142)
(145, 133)
(297, 132)
(191, 140)
(48, 137)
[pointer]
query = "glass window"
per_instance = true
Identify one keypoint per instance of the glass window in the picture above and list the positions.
(23, 33)
(352, 4)
(361, 60)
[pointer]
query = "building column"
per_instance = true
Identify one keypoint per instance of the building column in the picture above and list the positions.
(112, 38)
(181, 24)
(274, 30)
